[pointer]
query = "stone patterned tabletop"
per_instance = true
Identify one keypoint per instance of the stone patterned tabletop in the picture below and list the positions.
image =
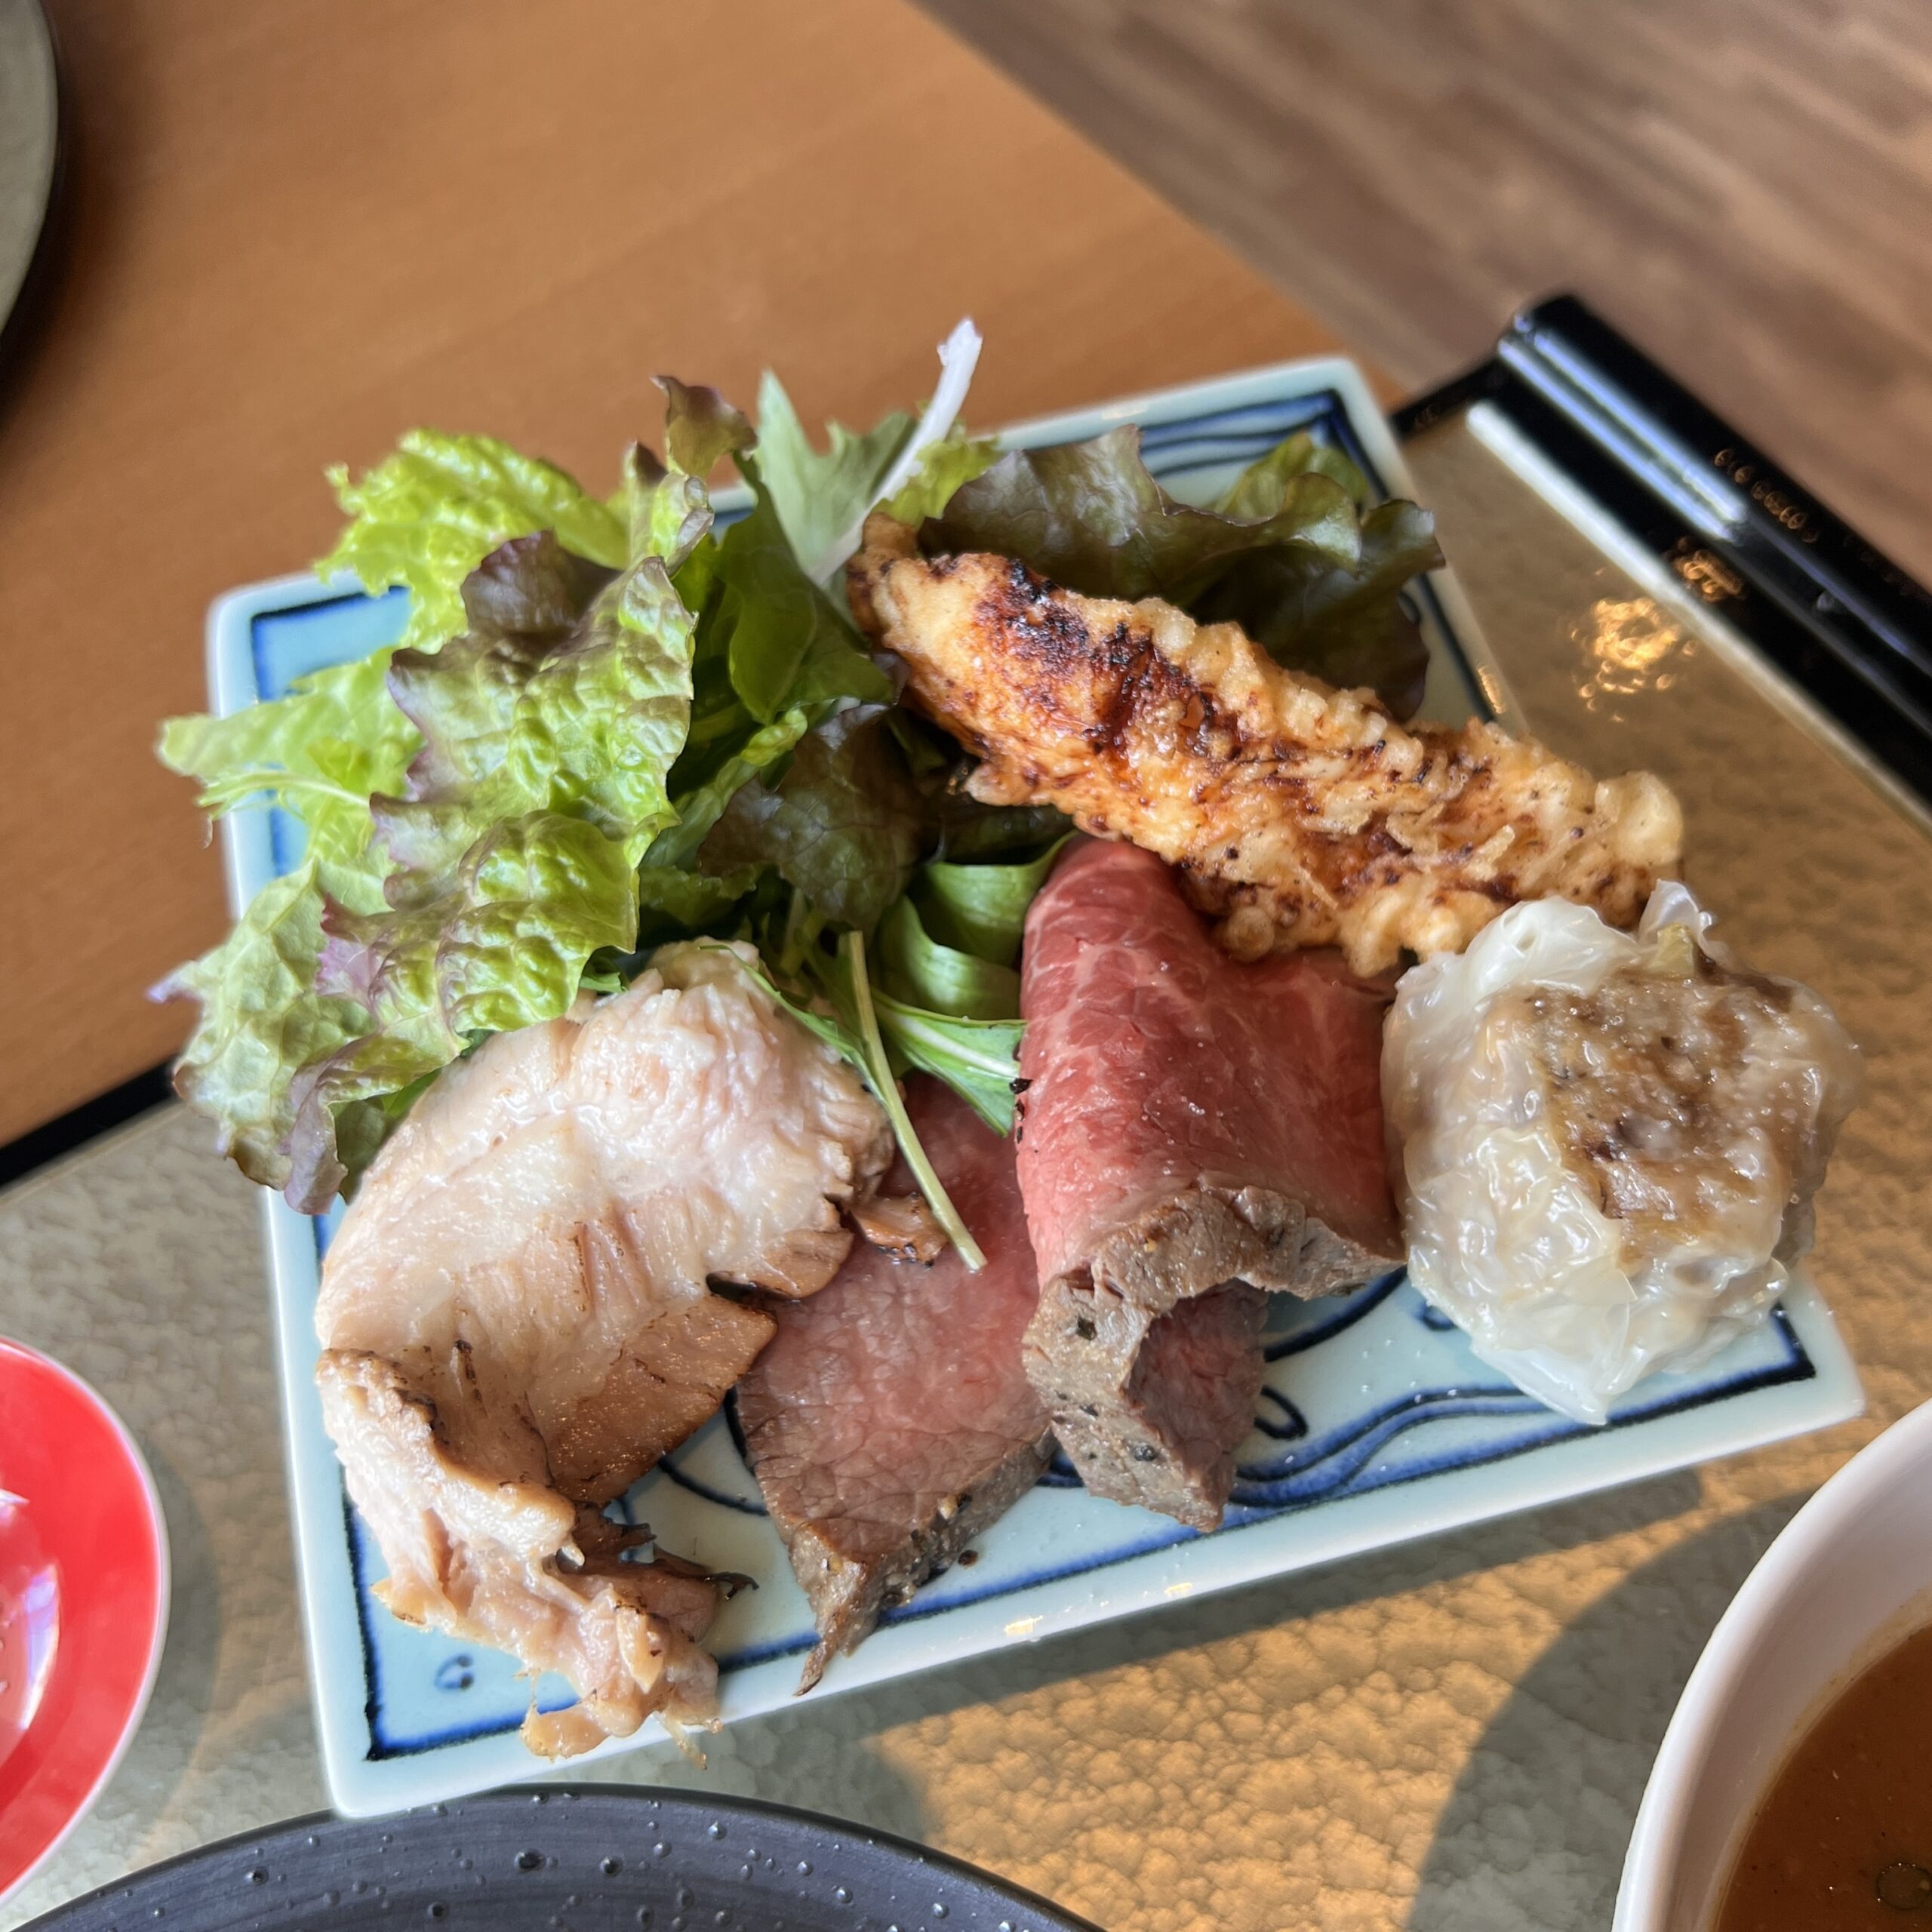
(1451, 1736)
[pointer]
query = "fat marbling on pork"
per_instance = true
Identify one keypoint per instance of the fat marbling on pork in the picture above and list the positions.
(516, 1322)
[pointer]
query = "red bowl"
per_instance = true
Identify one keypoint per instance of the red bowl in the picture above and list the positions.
(83, 1602)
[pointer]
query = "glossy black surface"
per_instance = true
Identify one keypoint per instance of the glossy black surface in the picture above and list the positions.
(76, 1128)
(582, 1858)
(1834, 615)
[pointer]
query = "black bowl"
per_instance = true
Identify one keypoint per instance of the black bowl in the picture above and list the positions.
(567, 1859)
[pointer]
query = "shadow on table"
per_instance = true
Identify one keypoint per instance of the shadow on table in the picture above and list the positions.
(1534, 1835)
(1275, 1600)
(158, 1756)
(818, 1754)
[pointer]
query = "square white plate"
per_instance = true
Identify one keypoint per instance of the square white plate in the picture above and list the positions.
(1376, 1423)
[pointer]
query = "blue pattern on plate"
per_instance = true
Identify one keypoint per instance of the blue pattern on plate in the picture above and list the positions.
(1366, 1395)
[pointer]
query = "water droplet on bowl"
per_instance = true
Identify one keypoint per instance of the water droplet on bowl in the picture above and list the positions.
(842, 1893)
(258, 1877)
(529, 1861)
(438, 1909)
(804, 1868)
(939, 1908)
(684, 1898)
(610, 1867)
(660, 1849)
(714, 1829)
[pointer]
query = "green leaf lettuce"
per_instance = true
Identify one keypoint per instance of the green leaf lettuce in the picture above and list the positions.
(424, 519)
(263, 1019)
(815, 495)
(512, 779)
(427, 515)
(605, 719)
(845, 824)
(787, 643)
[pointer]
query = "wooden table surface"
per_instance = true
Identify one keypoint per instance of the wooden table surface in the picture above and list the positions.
(294, 232)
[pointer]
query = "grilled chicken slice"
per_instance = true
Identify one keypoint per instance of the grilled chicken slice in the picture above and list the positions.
(516, 1324)
(1299, 816)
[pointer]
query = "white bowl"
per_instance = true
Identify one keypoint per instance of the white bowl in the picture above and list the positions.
(1851, 1572)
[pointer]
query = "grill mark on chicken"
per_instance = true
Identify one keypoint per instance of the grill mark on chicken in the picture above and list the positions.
(1299, 816)
(1055, 643)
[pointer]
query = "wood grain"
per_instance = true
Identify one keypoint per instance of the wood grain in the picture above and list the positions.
(1746, 189)
(296, 230)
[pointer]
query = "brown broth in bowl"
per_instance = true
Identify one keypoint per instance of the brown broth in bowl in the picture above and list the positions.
(1843, 1842)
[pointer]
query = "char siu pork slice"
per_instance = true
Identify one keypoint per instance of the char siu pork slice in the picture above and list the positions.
(1191, 1124)
(890, 1421)
(516, 1322)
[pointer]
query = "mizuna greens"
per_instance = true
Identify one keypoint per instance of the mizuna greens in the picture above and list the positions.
(610, 723)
